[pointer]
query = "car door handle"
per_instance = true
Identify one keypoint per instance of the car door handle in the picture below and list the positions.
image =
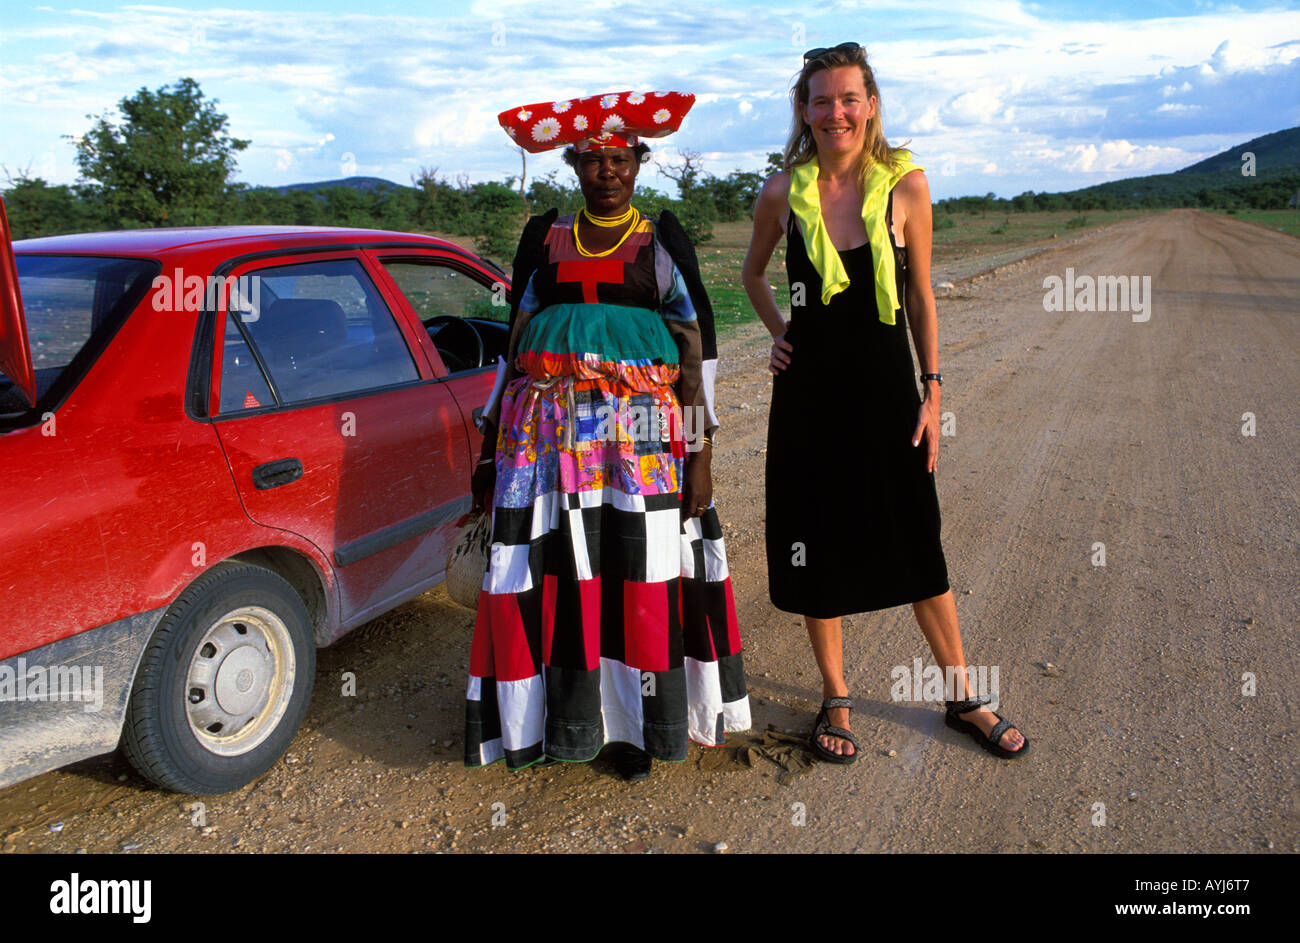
(274, 474)
(477, 418)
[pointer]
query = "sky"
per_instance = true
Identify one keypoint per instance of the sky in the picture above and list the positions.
(997, 96)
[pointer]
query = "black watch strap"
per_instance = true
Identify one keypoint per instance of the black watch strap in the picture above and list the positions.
(936, 377)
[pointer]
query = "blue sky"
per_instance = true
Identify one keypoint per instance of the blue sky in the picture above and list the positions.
(996, 96)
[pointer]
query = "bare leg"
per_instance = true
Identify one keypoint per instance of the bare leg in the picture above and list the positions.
(937, 617)
(828, 648)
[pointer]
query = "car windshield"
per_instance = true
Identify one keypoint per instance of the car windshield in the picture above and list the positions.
(72, 305)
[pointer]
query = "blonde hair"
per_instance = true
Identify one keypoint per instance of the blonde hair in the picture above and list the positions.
(800, 147)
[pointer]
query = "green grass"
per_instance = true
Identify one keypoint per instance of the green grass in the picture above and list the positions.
(978, 233)
(730, 306)
(1287, 221)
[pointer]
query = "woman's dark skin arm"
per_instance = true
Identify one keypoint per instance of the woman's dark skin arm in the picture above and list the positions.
(697, 490)
(483, 479)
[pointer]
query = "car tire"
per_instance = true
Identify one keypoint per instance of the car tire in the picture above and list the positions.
(223, 684)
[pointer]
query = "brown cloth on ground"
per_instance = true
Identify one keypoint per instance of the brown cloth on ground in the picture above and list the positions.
(787, 751)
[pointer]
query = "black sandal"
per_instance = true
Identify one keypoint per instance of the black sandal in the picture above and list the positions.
(822, 727)
(990, 742)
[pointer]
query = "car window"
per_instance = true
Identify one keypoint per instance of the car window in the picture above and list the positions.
(66, 301)
(243, 385)
(434, 289)
(441, 296)
(322, 329)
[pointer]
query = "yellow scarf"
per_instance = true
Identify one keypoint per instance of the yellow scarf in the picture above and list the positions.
(806, 204)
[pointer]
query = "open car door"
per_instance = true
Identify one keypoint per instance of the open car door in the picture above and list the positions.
(15, 354)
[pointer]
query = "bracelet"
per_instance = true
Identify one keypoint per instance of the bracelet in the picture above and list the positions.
(936, 377)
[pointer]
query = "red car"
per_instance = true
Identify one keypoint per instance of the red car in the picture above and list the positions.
(222, 448)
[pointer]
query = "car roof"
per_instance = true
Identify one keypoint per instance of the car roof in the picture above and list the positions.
(150, 242)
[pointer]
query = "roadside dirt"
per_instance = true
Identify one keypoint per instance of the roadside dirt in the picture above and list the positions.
(1071, 429)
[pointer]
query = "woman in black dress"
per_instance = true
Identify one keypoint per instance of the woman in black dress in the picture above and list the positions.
(852, 511)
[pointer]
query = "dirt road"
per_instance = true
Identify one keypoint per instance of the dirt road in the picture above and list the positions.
(1071, 429)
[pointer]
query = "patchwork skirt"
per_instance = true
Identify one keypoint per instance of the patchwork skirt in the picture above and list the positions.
(604, 616)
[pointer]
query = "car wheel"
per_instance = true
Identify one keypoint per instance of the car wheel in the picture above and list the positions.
(223, 684)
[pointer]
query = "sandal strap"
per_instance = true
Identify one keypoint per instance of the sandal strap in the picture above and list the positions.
(1001, 727)
(968, 705)
(828, 731)
(834, 702)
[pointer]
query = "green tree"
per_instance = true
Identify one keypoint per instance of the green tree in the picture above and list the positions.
(399, 209)
(168, 163)
(734, 195)
(551, 190)
(347, 206)
(37, 209)
(496, 218)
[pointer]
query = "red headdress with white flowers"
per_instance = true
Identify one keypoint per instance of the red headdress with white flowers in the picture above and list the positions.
(616, 119)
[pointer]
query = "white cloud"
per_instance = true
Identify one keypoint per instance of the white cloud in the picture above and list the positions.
(1118, 155)
(977, 107)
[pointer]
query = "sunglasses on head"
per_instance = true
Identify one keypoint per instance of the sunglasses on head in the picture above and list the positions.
(852, 49)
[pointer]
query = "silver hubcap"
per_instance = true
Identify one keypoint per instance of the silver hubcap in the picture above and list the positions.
(240, 681)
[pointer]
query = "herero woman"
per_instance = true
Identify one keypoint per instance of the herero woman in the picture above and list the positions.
(606, 614)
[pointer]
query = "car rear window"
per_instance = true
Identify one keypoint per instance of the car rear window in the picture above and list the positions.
(72, 305)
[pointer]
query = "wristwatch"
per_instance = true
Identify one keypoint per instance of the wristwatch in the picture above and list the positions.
(936, 377)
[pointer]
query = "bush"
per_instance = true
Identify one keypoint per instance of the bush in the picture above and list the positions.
(696, 214)
(1078, 222)
(498, 235)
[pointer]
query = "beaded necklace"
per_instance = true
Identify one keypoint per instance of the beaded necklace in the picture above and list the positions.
(607, 222)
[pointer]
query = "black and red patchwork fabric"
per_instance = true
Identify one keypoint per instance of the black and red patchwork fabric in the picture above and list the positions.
(573, 662)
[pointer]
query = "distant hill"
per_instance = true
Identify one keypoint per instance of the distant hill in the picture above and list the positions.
(1272, 151)
(1218, 180)
(364, 184)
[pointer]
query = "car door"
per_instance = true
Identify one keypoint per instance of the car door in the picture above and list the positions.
(15, 354)
(336, 429)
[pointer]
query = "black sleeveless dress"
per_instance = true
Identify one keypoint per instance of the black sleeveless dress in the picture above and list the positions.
(852, 514)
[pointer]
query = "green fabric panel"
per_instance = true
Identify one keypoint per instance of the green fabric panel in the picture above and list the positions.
(611, 332)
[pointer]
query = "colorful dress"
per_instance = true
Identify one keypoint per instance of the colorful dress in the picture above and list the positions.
(604, 616)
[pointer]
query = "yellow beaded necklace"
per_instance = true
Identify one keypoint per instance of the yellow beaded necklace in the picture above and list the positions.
(610, 221)
(607, 222)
